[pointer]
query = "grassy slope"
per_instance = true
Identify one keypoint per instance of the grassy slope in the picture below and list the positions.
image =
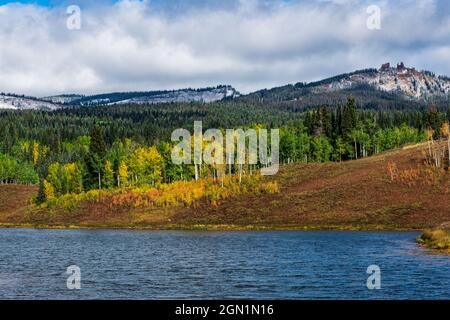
(356, 194)
(351, 195)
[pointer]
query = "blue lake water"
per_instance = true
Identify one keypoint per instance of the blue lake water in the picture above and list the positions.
(218, 265)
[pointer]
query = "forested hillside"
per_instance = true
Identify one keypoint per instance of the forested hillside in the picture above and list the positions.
(108, 147)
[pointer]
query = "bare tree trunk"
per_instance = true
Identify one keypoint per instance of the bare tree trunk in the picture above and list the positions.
(429, 149)
(448, 150)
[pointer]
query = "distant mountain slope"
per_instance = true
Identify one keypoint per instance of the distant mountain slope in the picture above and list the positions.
(383, 88)
(9, 101)
(400, 80)
(183, 95)
(207, 95)
(64, 98)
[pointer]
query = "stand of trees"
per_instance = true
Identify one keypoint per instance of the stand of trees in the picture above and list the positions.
(14, 171)
(343, 134)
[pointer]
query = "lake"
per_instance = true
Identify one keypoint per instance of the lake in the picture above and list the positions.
(118, 264)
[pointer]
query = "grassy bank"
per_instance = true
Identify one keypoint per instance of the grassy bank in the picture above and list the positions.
(438, 239)
(211, 227)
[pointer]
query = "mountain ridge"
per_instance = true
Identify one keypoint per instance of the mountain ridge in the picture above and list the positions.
(400, 79)
(206, 95)
(382, 84)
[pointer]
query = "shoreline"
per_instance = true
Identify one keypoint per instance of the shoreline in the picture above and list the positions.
(212, 228)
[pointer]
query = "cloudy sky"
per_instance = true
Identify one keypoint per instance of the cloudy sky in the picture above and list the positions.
(251, 44)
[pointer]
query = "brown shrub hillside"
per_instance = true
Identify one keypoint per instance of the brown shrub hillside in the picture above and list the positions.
(14, 201)
(394, 190)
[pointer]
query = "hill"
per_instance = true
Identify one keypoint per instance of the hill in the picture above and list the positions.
(50, 103)
(391, 191)
(205, 95)
(385, 88)
(17, 102)
(350, 195)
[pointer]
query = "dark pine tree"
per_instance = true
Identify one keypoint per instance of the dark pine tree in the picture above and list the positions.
(41, 198)
(348, 118)
(95, 158)
(98, 145)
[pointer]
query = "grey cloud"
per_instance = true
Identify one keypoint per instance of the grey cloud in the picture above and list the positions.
(249, 44)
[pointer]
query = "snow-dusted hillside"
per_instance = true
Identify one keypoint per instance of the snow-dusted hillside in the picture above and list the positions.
(9, 101)
(400, 80)
(185, 95)
(25, 103)
(63, 98)
(206, 95)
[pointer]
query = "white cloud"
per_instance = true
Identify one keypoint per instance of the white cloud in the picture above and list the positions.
(134, 45)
